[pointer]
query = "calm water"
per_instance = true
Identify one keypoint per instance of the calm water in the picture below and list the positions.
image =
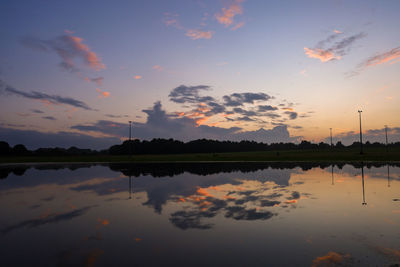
(200, 214)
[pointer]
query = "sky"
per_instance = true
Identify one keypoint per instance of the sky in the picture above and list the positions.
(76, 73)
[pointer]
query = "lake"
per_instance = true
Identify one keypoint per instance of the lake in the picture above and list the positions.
(205, 214)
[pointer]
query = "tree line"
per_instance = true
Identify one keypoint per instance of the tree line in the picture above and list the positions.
(171, 146)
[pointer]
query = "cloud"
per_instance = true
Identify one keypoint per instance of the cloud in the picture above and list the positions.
(227, 14)
(159, 124)
(102, 93)
(391, 57)
(137, 77)
(264, 108)
(37, 111)
(334, 50)
(51, 118)
(116, 116)
(371, 135)
(323, 55)
(106, 127)
(337, 31)
(238, 99)
(331, 258)
(189, 94)
(53, 99)
(196, 34)
(171, 20)
(292, 114)
(98, 80)
(50, 218)
(158, 67)
(34, 139)
(68, 48)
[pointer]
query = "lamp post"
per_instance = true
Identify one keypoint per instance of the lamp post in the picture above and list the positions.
(330, 129)
(130, 123)
(361, 144)
(387, 148)
(129, 143)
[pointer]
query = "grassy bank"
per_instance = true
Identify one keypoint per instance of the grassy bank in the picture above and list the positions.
(372, 154)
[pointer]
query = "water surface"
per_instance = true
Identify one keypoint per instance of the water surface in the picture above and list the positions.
(210, 214)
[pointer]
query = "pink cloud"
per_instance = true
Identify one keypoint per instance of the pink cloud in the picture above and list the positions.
(337, 31)
(323, 55)
(158, 67)
(68, 47)
(137, 77)
(102, 93)
(199, 34)
(171, 20)
(391, 57)
(227, 15)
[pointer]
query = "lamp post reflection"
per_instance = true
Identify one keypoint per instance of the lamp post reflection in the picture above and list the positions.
(388, 175)
(130, 187)
(362, 175)
(333, 181)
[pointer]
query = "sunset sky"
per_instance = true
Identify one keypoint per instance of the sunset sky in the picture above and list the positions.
(75, 72)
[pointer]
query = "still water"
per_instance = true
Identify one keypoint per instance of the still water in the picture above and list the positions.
(276, 214)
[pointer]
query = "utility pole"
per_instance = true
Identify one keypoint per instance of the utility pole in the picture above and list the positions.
(331, 137)
(361, 144)
(130, 123)
(387, 148)
(129, 143)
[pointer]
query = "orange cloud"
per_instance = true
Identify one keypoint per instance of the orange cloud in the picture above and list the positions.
(158, 67)
(330, 258)
(201, 120)
(104, 222)
(227, 14)
(181, 199)
(102, 93)
(137, 77)
(323, 55)
(90, 57)
(203, 192)
(337, 31)
(199, 34)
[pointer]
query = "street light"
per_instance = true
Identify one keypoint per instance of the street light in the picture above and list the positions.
(331, 137)
(361, 144)
(387, 149)
(130, 123)
(129, 143)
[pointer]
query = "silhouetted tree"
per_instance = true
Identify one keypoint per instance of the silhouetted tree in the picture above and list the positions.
(5, 148)
(20, 150)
